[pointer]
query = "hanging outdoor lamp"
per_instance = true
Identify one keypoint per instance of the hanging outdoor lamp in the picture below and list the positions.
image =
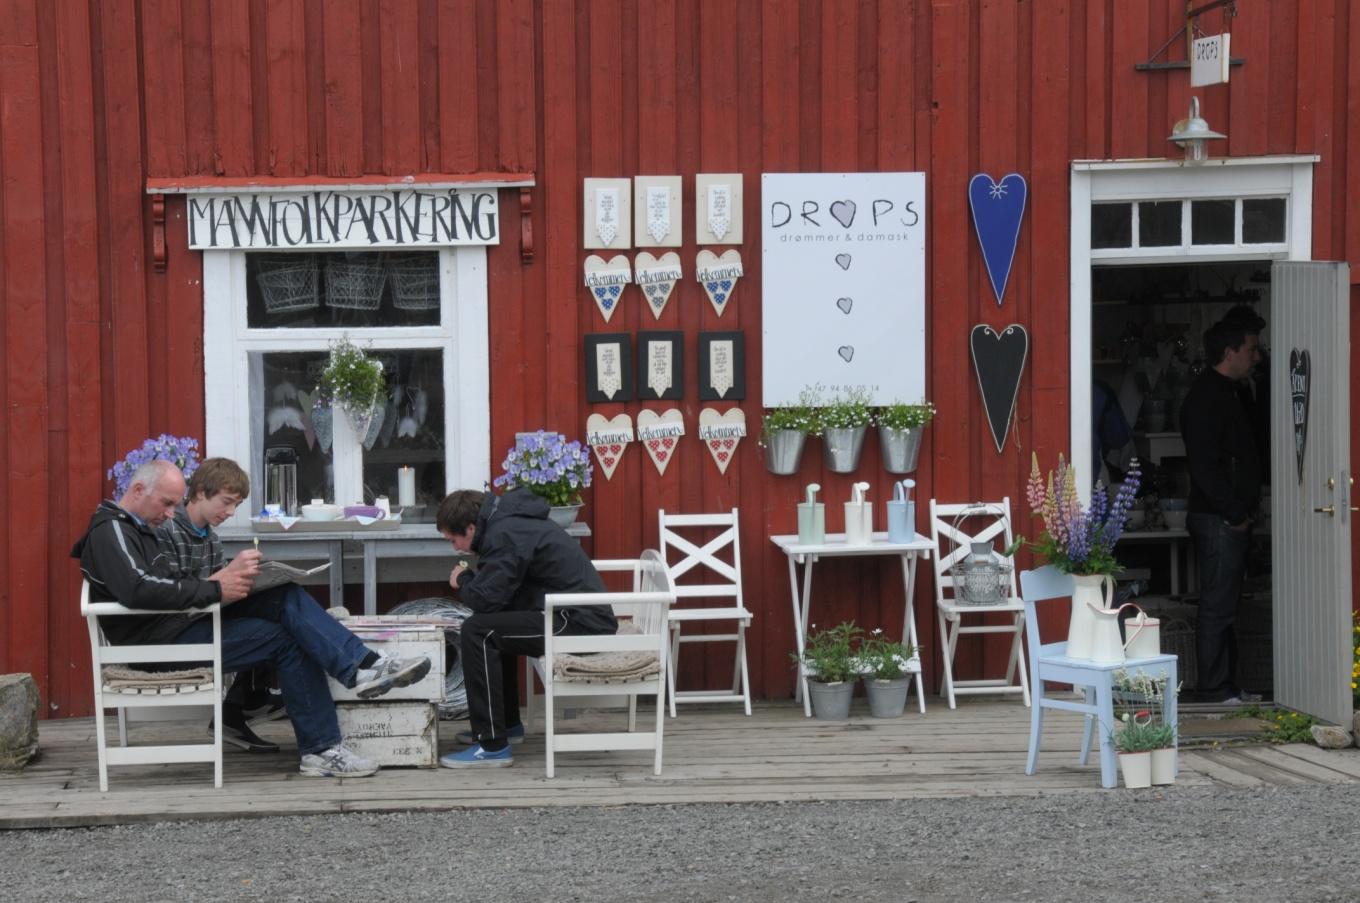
(1192, 133)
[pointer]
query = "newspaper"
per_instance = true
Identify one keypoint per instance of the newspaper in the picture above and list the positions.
(276, 573)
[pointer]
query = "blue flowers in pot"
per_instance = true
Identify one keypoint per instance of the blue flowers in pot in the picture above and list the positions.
(550, 467)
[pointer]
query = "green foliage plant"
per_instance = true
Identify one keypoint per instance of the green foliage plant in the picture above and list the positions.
(881, 659)
(902, 416)
(352, 379)
(801, 417)
(829, 655)
(1141, 733)
(848, 410)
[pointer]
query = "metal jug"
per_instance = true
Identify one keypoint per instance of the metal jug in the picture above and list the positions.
(1144, 636)
(280, 479)
(902, 513)
(1090, 593)
(811, 518)
(859, 517)
(1106, 646)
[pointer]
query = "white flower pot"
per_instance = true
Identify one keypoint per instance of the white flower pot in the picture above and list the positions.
(1164, 765)
(1136, 769)
(564, 515)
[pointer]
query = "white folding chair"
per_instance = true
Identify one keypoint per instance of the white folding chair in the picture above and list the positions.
(200, 692)
(1049, 661)
(723, 582)
(988, 521)
(642, 615)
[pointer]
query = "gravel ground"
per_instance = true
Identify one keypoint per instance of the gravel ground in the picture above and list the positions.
(1272, 844)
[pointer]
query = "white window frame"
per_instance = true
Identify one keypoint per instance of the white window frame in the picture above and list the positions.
(462, 335)
(1101, 181)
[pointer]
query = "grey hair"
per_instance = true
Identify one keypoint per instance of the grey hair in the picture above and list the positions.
(150, 474)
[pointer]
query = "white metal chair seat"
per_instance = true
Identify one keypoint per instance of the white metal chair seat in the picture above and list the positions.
(721, 580)
(193, 692)
(950, 612)
(643, 629)
(1050, 662)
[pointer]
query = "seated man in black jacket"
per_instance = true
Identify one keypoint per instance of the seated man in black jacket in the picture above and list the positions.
(1225, 490)
(522, 556)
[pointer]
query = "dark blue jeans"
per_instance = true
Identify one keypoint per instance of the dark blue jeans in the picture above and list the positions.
(287, 628)
(1222, 555)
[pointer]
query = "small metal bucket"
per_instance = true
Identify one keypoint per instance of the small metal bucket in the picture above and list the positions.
(784, 451)
(843, 448)
(901, 448)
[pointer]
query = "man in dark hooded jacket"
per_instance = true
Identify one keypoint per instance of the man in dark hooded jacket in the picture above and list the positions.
(522, 556)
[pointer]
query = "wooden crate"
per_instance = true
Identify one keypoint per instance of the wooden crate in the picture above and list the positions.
(403, 640)
(392, 733)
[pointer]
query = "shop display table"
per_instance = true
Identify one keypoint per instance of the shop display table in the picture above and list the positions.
(1176, 541)
(835, 546)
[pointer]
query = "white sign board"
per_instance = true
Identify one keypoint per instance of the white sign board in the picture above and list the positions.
(1209, 61)
(401, 218)
(844, 272)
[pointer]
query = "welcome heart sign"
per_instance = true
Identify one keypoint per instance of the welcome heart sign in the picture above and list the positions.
(656, 276)
(718, 276)
(660, 434)
(606, 280)
(722, 433)
(609, 438)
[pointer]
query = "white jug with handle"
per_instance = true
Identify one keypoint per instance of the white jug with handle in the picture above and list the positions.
(1106, 646)
(1144, 636)
(1091, 593)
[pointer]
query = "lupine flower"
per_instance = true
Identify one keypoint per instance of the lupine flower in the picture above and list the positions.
(1077, 540)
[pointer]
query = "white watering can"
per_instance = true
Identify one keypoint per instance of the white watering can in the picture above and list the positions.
(1106, 646)
(1144, 636)
(859, 517)
(812, 518)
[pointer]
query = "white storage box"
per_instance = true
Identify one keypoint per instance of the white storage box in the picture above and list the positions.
(392, 733)
(404, 640)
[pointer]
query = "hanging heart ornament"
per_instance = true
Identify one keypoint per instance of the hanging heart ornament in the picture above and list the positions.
(660, 434)
(718, 276)
(609, 439)
(656, 276)
(606, 280)
(722, 433)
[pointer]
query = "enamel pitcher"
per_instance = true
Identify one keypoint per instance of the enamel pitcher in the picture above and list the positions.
(1091, 594)
(1106, 645)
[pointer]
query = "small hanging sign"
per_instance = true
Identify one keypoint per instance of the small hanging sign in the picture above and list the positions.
(660, 433)
(660, 365)
(722, 366)
(722, 433)
(999, 360)
(608, 213)
(656, 276)
(609, 438)
(717, 201)
(718, 276)
(998, 208)
(1300, 386)
(606, 280)
(609, 367)
(656, 211)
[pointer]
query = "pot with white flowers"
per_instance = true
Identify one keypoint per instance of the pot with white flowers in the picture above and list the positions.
(899, 434)
(832, 670)
(843, 424)
(783, 435)
(887, 669)
(1140, 735)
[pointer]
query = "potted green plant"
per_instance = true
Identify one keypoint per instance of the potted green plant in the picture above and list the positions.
(1135, 741)
(784, 432)
(887, 668)
(899, 433)
(843, 423)
(832, 669)
(1143, 696)
(354, 381)
(552, 468)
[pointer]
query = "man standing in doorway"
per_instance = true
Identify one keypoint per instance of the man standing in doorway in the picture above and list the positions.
(1225, 491)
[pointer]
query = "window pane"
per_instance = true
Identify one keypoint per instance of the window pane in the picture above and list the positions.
(1111, 225)
(412, 433)
(1159, 224)
(282, 392)
(1211, 222)
(342, 289)
(1263, 221)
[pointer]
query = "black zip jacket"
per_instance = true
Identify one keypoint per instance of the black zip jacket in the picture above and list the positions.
(1225, 471)
(523, 556)
(124, 563)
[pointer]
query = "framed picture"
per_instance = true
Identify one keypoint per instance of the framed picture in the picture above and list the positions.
(609, 367)
(722, 366)
(660, 365)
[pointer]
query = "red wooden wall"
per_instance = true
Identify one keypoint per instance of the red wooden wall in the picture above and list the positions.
(100, 350)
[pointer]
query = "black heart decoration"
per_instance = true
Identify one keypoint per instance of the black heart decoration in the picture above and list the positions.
(998, 360)
(1299, 387)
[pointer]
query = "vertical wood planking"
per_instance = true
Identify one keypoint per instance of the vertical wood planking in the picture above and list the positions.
(517, 111)
(232, 108)
(458, 112)
(286, 50)
(163, 62)
(343, 95)
(400, 81)
(1129, 95)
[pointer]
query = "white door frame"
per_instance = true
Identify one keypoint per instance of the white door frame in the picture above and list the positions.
(1094, 181)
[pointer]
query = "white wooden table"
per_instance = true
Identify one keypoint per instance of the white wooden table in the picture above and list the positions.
(836, 547)
(407, 541)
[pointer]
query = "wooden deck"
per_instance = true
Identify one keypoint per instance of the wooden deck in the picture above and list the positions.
(713, 755)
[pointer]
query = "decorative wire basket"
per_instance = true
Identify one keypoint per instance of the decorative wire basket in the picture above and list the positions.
(1178, 639)
(355, 284)
(415, 281)
(452, 614)
(288, 282)
(980, 586)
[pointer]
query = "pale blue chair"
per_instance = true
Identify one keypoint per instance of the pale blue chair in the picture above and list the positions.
(1049, 662)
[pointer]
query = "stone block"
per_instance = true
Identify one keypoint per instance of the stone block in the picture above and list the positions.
(18, 720)
(1331, 737)
(1355, 726)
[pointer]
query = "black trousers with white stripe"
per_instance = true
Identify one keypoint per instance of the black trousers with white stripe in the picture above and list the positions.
(491, 646)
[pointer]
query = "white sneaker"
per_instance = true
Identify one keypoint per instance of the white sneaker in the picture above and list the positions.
(337, 762)
(388, 672)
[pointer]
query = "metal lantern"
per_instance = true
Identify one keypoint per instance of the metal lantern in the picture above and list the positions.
(981, 578)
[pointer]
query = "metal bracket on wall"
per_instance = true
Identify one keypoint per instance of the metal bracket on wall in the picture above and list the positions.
(526, 225)
(1191, 26)
(158, 252)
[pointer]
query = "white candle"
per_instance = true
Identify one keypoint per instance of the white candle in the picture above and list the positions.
(406, 486)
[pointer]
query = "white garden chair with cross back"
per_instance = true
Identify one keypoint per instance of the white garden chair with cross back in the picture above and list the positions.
(949, 530)
(680, 535)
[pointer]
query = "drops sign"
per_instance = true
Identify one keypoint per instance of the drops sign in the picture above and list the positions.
(843, 284)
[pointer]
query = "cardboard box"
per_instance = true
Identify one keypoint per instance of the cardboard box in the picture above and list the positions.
(383, 635)
(392, 733)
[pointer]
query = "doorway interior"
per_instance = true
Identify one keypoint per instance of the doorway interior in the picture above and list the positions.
(1147, 323)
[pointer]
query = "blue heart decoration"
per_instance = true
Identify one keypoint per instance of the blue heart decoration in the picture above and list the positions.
(726, 284)
(603, 294)
(613, 291)
(998, 208)
(720, 297)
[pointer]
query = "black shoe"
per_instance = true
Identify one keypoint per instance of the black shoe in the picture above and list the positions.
(241, 736)
(269, 708)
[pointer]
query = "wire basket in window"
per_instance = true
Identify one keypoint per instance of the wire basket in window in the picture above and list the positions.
(415, 281)
(287, 282)
(355, 283)
(982, 578)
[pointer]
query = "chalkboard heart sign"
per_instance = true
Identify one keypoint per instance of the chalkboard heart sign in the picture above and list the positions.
(1300, 379)
(998, 208)
(998, 360)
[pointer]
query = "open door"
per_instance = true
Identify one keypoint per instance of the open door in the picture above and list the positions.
(1311, 487)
